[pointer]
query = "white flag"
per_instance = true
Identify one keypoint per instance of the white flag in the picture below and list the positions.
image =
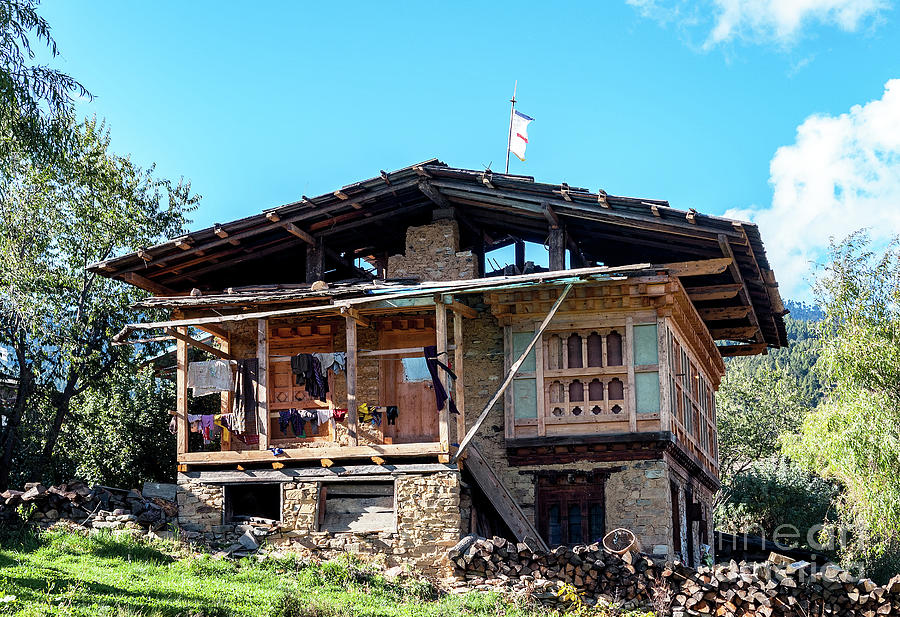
(519, 134)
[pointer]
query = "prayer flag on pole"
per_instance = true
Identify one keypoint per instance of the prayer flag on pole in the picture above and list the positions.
(518, 135)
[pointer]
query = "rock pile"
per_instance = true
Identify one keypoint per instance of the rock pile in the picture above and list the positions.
(635, 580)
(98, 507)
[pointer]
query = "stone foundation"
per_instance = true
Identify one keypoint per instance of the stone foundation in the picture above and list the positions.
(427, 513)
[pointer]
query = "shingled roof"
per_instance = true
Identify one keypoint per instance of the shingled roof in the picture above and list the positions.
(370, 218)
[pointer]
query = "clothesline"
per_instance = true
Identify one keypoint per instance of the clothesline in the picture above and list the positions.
(365, 353)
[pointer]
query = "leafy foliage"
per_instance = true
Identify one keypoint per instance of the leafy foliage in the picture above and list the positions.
(772, 493)
(57, 317)
(755, 404)
(35, 100)
(854, 435)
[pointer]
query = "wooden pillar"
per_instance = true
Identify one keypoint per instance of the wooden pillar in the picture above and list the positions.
(460, 391)
(181, 392)
(262, 390)
(665, 404)
(630, 391)
(440, 326)
(479, 256)
(315, 261)
(227, 401)
(520, 256)
(352, 410)
(557, 249)
(576, 257)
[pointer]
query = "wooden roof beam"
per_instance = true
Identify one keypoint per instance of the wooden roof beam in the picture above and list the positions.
(434, 195)
(195, 343)
(146, 284)
(530, 202)
(353, 314)
(220, 231)
(296, 231)
(551, 216)
(700, 267)
(744, 292)
(742, 333)
(730, 351)
(724, 313)
(713, 292)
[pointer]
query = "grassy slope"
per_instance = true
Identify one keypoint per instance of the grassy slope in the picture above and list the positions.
(58, 573)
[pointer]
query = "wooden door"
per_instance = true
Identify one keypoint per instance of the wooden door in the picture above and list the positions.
(409, 388)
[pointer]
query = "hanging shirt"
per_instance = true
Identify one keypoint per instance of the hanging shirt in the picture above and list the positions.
(440, 394)
(209, 377)
(324, 415)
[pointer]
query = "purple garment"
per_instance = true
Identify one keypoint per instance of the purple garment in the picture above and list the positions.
(206, 425)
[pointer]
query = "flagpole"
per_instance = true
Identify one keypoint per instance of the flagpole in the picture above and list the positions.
(511, 113)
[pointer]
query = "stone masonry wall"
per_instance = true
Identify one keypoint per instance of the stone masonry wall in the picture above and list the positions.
(199, 506)
(428, 522)
(638, 497)
(432, 254)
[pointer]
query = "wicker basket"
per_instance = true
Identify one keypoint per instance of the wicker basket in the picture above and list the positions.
(620, 541)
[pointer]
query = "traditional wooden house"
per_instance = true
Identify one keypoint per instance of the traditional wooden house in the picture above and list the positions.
(584, 391)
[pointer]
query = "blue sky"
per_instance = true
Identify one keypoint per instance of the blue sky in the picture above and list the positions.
(688, 102)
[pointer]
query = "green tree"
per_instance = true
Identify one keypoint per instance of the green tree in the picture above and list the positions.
(35, 100)
(775, 492)
(55, 219)
(854, 435)
(754, 405)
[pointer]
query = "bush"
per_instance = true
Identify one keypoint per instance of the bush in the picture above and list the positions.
(773, 493)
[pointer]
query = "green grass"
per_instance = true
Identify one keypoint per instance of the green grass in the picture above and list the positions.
(63, 573)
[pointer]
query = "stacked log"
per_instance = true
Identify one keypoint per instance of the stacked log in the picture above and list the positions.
(98, 507)
(635, 580)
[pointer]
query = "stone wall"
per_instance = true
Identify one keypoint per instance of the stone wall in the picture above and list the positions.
(432, 254)
(199, 506)
(637, 496)
(428, 522)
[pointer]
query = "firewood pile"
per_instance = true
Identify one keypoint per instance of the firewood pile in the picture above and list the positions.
(99, 507)
(635, 580)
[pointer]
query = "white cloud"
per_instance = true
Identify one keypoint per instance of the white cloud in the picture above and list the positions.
(760, 21)
(841, 174)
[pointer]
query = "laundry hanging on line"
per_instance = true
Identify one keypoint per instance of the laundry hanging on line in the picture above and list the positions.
(209, 377)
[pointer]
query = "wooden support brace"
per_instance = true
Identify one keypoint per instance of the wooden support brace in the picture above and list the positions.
(146, 284)
(296, 231)
(177, 334)
(512, 372)
(352, 313)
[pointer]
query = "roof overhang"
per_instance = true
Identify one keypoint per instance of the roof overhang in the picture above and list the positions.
(369, 219)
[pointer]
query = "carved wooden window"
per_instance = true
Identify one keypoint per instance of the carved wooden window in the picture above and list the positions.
(692, 400)
(582, 382)
(571, 513)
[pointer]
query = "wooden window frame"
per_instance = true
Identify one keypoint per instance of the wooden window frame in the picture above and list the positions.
(584, 494)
